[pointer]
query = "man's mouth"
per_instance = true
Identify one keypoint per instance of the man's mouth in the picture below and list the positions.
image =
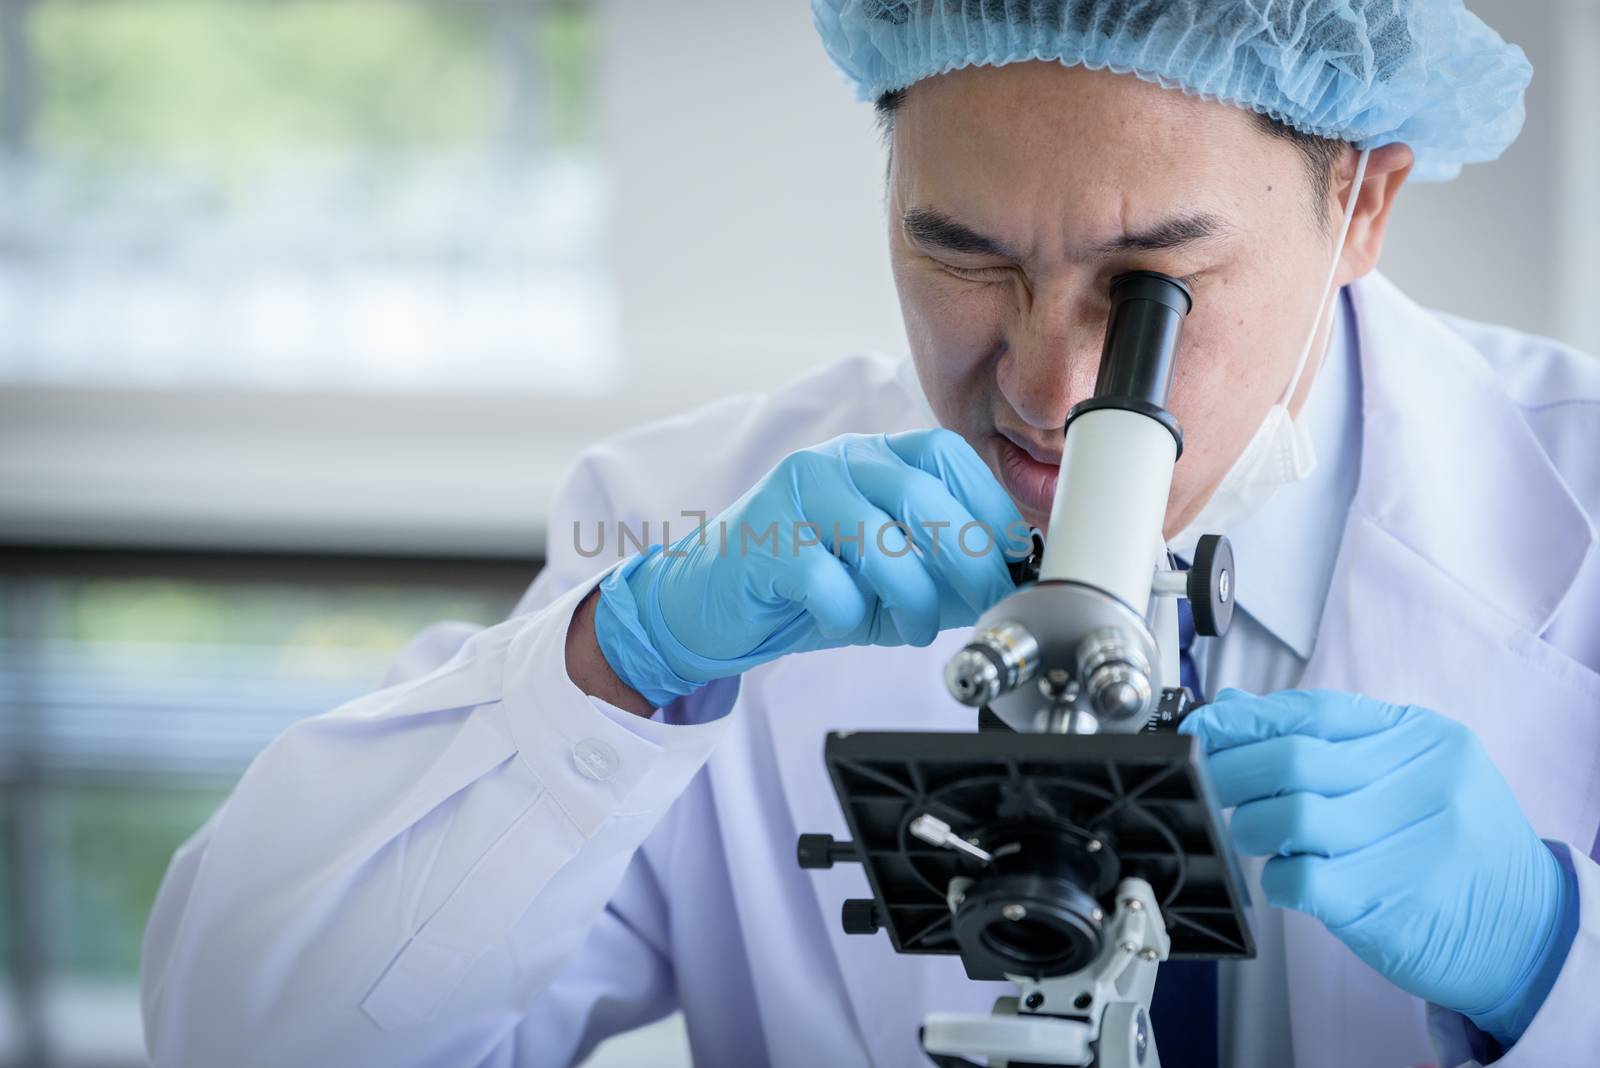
(1029, 477)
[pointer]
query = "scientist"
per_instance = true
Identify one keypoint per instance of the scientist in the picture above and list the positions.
(582, 819)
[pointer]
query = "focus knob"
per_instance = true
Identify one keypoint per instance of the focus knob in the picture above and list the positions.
(1211, 586)
(860, 916)
(821, 851)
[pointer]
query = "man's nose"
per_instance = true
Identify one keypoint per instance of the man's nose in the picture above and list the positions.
(1051, 359)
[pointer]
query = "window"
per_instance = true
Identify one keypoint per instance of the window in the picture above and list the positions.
(133, 692)
(312, 194)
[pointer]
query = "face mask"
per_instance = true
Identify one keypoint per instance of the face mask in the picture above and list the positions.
(1281, 452)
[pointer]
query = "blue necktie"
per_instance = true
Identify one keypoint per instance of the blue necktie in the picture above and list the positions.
(1183, 1009)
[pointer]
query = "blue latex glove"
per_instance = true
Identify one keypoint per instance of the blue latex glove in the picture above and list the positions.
(811, 558)
(1390, 825)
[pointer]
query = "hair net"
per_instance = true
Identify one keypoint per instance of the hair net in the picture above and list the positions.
(1425, 72)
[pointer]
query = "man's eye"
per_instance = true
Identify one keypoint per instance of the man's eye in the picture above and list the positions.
(1186, 279)
(979, 274)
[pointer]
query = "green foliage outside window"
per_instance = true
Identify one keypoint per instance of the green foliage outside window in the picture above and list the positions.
(103, 847)
(233, 80)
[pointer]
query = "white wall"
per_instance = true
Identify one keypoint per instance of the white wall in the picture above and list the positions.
(1515, 241)
(748, 228)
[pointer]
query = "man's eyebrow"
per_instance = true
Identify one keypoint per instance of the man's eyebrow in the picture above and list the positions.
(933, 228)
(1168, 234)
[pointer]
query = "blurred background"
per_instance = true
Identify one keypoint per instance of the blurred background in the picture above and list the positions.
(306, 305)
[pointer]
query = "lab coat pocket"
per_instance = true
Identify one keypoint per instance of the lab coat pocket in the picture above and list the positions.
(1566, 672)
(1399, 628)
(476, 917)
(1563, 707)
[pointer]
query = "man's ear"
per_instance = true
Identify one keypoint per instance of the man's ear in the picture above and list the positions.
(1387, 170)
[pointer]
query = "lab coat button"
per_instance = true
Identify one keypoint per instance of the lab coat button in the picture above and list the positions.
(595, 759)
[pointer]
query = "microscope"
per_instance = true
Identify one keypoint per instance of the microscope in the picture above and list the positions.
(1073, 842)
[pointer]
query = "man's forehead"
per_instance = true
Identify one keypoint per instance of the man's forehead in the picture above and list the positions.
(1107, 180)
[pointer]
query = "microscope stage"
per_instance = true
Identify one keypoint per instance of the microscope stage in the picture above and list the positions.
(1122, 805)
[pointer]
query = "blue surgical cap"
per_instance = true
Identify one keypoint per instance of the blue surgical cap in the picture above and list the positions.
(1428, 73)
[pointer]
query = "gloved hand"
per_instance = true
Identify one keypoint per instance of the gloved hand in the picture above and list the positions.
(1390, 825)
(811, 558)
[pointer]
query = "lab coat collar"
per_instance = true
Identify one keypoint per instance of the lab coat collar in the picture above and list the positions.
(1451, 469)
(1286, 550)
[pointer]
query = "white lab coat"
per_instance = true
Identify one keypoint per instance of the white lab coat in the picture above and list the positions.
(482, 866)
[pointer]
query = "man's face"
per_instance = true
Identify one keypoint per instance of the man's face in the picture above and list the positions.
(1018, 193)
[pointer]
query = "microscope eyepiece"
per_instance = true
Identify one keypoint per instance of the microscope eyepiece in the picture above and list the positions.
(1141, 348)
(1153, 285)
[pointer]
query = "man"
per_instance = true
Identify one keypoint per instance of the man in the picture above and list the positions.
(579, 820)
